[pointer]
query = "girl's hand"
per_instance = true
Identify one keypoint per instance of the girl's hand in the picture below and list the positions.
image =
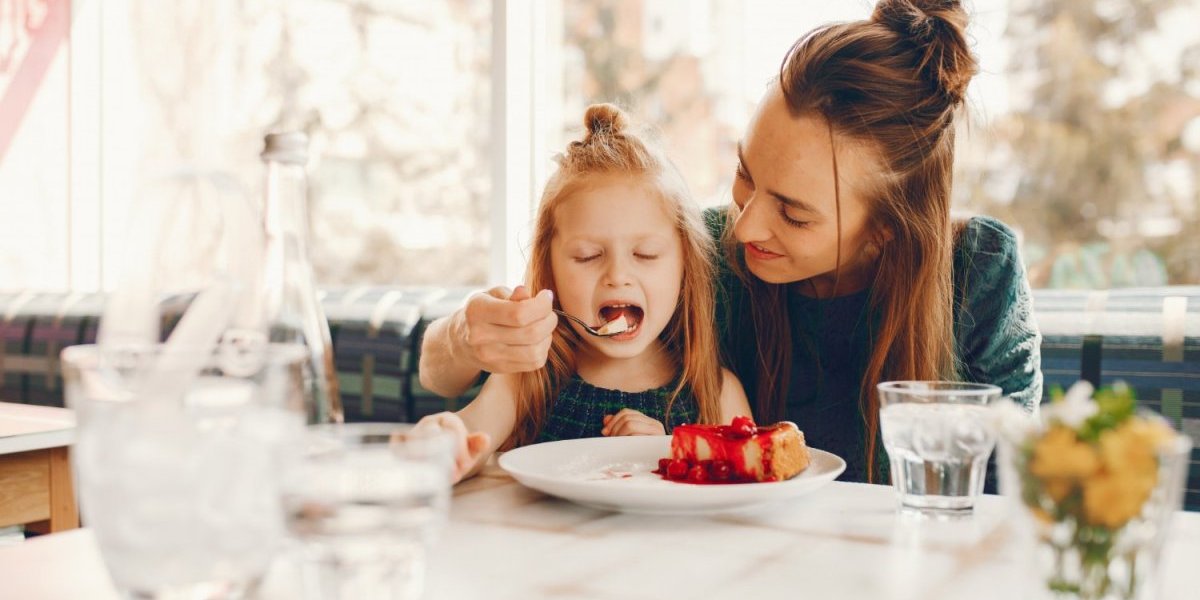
(467, 446)
(631, 422)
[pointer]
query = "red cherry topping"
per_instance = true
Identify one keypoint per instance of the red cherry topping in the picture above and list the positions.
(663, 463)
(720, 470)
(740, 420)
(677, 469)
(742, 427)
(743, 424)
(697, 474)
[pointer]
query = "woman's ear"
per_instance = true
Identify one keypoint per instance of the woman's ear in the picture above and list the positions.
(879, 239)
(883, 235)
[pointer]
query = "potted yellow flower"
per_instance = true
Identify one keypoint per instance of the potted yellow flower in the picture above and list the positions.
(1099, 482)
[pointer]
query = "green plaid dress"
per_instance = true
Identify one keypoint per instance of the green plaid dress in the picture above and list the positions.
(579, 410)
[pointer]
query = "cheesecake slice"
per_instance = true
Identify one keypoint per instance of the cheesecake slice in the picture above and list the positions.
(740, 452)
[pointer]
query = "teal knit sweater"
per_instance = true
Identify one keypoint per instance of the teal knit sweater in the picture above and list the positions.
(996, 340)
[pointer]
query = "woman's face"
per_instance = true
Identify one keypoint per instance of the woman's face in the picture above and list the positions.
(787, 221)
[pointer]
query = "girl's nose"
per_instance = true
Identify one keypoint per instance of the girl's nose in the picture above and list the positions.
(617, 274)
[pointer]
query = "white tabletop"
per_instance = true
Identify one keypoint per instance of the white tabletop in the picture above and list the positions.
(25, 427)
(845, 541)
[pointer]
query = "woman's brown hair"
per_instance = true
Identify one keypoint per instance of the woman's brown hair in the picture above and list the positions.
(611, 148)
(892, 85)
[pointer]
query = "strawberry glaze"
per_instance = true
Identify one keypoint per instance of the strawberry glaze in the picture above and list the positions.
(727, 463)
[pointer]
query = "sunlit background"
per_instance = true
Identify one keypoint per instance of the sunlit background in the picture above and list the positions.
(433, 124)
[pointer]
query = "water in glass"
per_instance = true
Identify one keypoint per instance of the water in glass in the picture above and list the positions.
(938, 436)
(182, 492)
(366, 501)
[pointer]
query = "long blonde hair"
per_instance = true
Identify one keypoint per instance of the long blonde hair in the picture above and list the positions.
(892, 83)
(609, 147)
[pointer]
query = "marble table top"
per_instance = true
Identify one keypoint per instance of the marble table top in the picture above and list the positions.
(26, 427)
(844, 541)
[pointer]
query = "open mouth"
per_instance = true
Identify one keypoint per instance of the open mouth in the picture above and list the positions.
(621, 318)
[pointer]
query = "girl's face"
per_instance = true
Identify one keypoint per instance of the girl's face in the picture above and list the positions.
(616, 251)
(787, 222)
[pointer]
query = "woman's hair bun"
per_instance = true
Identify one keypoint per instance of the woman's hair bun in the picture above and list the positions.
(605, 119)
(938, 29)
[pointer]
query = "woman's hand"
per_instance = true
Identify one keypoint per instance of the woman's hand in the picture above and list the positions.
(501, 332)
(631, 422)
(468, 447)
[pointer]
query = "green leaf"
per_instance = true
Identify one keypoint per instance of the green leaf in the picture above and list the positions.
(1115, 404)
(1056, 393)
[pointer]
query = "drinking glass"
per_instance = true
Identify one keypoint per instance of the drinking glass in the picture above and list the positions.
(365, 501)
(183, 405)
(938, 436)
(179, 482)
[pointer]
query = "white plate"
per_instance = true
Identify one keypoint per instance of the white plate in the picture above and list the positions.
(615, 474)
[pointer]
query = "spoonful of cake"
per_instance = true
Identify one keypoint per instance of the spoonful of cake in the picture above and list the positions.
(606, 329)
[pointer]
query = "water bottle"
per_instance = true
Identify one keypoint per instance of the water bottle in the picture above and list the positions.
(293, 312)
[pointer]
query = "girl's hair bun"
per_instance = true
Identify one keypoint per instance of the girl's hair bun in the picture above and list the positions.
(938, 29)
(605, 119)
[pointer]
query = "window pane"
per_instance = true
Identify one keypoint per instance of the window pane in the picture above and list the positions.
(1084, 144)
(34, 141)
(1084, 129)
(394, 95)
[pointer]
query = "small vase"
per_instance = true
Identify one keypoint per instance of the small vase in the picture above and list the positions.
(1076, 559)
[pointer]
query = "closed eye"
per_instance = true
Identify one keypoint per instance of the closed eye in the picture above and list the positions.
(644, 256)
(790, 221)
(740, 172)
(583, 259)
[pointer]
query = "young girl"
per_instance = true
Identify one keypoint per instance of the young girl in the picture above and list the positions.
(616, 236)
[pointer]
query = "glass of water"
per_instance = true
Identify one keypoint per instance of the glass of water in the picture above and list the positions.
(365, 501)
(177, 463)
(938, 436)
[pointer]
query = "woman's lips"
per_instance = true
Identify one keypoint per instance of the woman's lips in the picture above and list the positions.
(759, 253)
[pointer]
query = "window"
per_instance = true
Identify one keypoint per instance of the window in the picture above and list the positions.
(394, 95)
(1084, 132)
(433, 123)
(35, 174)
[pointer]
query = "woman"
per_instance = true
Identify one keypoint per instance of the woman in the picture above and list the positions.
(841, 267)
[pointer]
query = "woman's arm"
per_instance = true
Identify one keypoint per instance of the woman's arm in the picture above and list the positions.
(495, 332)
(440, 370)
(998, 338)
(733, 397)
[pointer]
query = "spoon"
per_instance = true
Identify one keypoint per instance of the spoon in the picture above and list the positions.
(603, 330)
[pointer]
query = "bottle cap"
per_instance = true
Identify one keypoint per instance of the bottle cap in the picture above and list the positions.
(287, 147)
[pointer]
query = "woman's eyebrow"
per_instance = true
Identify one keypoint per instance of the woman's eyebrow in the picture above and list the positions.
(789, 201)
(794, 203)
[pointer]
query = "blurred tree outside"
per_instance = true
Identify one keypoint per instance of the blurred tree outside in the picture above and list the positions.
(647, 58)
(1095, 169)
(1093, 163)
(1090, 163)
